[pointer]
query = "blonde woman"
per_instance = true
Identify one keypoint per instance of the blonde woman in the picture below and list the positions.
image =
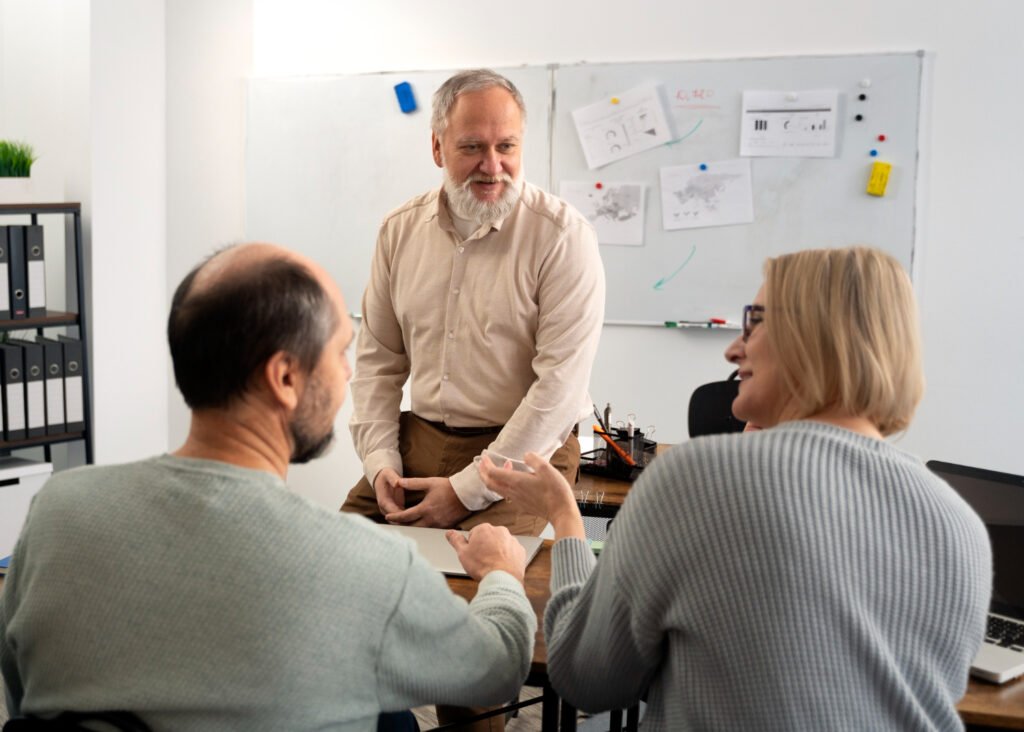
(810, 575)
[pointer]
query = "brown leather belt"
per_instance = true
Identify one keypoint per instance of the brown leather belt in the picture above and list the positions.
(462, 431)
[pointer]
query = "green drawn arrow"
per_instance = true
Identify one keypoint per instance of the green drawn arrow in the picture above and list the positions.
(660, 284)
(696, 127)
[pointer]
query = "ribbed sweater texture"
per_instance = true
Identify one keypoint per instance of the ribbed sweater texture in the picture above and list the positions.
(803, 577)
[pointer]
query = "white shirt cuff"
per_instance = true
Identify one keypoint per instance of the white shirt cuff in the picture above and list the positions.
(470, 489)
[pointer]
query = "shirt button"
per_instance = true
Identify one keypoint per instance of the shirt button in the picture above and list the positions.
(456, 291)
(462, 249)
(451, 334)
(447, 417)
(445, 377)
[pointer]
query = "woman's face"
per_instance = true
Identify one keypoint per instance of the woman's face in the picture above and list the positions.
(762, 398)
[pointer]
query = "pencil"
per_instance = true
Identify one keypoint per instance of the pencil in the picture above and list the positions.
(618, 450)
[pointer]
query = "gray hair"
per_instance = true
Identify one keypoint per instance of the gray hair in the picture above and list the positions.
(464, 82)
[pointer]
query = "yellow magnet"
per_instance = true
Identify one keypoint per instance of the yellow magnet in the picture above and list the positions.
(879, 178)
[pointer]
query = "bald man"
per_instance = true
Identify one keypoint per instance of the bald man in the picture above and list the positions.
(194, 591)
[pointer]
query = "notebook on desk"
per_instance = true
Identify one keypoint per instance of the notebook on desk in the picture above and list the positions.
(998, 498)
(434, 547)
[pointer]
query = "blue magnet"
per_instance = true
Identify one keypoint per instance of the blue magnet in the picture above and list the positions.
(703, 166)
(874, 153)
(406, 101)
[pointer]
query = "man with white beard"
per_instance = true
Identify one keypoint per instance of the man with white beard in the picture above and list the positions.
(488, 296)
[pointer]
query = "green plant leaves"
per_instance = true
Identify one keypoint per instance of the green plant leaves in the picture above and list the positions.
(16, 159)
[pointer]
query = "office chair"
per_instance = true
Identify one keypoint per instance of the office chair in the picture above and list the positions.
(73, 722)
(711, 408)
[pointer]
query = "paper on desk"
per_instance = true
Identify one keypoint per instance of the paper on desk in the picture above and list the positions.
(718, 196)
(622, 125)
(796, 124)
(615, 209)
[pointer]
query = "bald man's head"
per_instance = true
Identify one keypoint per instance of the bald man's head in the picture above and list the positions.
(237, 309)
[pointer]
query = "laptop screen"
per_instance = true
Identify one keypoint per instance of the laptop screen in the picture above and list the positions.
(998, 498)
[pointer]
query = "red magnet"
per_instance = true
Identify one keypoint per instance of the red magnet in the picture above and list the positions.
(881, 138)
(598, 186)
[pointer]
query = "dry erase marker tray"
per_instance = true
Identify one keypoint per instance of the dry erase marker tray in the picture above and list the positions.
(606, 461)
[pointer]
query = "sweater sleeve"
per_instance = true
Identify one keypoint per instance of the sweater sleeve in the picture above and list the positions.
(605, 625)
(437, 648)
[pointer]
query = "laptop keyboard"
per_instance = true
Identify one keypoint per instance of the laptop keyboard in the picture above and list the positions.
(1005, 632)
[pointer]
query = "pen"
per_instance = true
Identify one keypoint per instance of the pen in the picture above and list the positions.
(597, 416)
(607, 415)
(618, 450)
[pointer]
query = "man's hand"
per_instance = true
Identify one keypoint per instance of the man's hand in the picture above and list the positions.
(440, 507)
(390, 496)
(487, 549)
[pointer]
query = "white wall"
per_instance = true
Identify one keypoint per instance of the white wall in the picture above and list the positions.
(969, 251)
(209, 57)
(128, 228)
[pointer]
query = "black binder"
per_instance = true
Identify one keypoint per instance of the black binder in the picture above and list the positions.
(17, 272)
(12, 381)
(53, 375)
(5, 284)
(35, 387)
(74, 384)
(36, 271)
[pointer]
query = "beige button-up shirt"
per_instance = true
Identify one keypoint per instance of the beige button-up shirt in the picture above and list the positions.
(497, 329)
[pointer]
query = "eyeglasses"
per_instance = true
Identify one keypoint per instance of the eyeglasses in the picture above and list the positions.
(753, 316)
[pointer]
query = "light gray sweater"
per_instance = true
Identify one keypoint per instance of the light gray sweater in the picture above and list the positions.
(803, 577)
(204, 596)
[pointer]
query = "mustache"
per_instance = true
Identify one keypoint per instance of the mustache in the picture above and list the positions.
(481, 178)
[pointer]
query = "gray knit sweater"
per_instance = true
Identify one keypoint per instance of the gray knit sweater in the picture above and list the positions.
(204, 596)
(803, 577)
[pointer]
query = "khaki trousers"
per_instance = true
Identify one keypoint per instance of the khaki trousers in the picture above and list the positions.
(429, 451)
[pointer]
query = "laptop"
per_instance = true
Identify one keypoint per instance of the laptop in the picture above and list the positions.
(998, 498)
(434, 547)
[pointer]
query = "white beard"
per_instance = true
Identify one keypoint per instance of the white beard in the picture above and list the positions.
(465, 205)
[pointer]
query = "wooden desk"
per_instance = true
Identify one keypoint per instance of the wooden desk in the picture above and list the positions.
(538, 590)
(600, 496)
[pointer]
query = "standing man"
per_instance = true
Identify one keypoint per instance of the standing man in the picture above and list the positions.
(195, 591)
(488, 295)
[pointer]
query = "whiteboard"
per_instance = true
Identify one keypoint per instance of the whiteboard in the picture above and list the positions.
(799, 203)
(328, 157)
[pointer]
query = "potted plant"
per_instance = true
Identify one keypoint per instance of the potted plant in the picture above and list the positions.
(16, 159)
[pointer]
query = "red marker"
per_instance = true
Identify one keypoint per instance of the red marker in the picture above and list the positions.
(717, 321)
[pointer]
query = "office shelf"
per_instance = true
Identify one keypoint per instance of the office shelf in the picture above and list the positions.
(52, 319)
(58, 319)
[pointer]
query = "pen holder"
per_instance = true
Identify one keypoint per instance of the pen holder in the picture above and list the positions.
(637, 447)
(605, 460)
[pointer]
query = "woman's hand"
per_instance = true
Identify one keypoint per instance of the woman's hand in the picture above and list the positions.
(544, 492)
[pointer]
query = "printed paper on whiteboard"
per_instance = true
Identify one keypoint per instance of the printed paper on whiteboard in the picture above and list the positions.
(611, 130)
(718, 196)
(615, 209)
(794, 124)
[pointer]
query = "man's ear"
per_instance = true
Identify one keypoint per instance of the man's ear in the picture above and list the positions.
(435, 147)
(284, 379)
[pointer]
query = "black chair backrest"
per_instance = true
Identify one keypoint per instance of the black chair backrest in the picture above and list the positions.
(711, 408)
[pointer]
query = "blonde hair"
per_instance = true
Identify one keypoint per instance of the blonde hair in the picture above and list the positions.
(843, 323)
